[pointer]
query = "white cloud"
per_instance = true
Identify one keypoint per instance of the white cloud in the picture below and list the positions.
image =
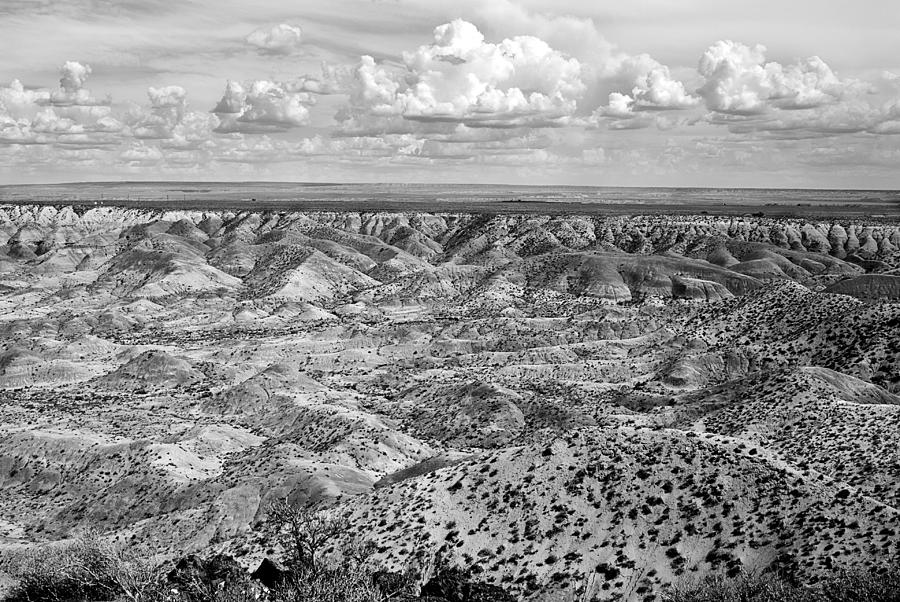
(654, 90)
(738, 80)
(17, 102)
(525, 87)
(263, 106)
(605, 68)
(72, 78)
(889, 119)
(141, 154)
(232, 101)
(167, 97)
(620, 106)
(278, 39)
(801, 100)
(73, 75)
(48, 122)
(166, 113)
(335, 79)
(461, 78)
(68, 115)
(658, 90)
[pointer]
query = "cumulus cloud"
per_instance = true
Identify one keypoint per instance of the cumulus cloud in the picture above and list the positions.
(72, 78)
(889, 122)
(279, 39)
(166, 112)
(66, 125)
(660, 91)
(654, 90)
(843, 118)
(67, 115)
(738, 80)
(605, 68)
(805, 99)
(232, 101)
(262, 106)
(18, 102)
(461, 78)
(520, 89)
(335, 79)
(169, 122)
(173, 97)
(620, 106)
(73, 75)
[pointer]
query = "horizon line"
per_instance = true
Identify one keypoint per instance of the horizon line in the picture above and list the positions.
(455, 184)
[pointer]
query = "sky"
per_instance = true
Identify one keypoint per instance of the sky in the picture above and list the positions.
(768, 93)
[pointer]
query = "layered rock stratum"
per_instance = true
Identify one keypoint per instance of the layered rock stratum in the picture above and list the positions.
(593, 406)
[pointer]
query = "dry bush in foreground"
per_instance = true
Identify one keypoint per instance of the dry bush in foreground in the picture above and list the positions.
(844, 586)
(86, 569)
(91, 570)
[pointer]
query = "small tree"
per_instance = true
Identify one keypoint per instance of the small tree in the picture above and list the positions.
(304, 532)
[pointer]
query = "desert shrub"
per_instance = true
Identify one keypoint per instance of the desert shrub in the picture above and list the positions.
(862, 586)
(329, 584)
(219, 578)
(84, 570)
(843, 586)
(53, 573)
(92, 570)
(744, 588)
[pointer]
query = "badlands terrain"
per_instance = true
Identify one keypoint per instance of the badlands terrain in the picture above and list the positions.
(580, 407)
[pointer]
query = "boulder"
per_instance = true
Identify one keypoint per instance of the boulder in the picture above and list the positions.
(270, 573)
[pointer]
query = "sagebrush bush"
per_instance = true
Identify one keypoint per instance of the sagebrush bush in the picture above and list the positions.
(842, 586)
(338, 584)
(91, 570)
(86, 569)
(744, 588)
(862, 586)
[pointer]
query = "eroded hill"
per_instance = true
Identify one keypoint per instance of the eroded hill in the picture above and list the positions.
(584, 404)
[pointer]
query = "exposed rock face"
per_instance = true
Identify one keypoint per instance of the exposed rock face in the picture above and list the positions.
(609, 402)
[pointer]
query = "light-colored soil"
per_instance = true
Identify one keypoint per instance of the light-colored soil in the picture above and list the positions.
(568, 404)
